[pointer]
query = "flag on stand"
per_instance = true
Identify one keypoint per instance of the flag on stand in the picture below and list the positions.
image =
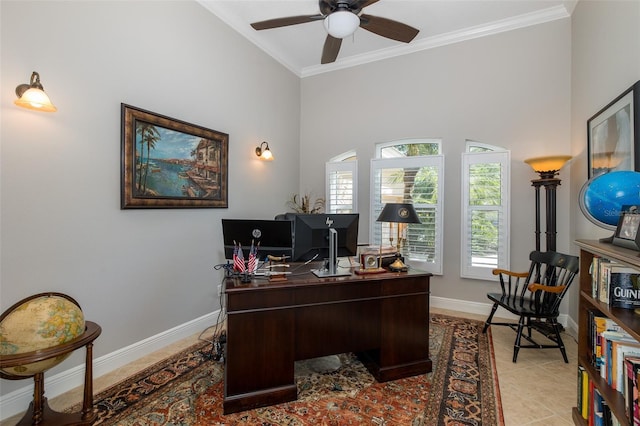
(252, 259)
(238, 259)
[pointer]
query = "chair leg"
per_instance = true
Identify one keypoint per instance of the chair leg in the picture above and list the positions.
(556, 329)
(516, 346)
(487, 323)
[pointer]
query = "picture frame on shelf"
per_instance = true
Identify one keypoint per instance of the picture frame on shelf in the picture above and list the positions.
(627, 232)
(614, 135)
(169, 163)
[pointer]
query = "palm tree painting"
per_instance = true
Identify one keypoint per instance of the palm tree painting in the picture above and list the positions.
(169, 163)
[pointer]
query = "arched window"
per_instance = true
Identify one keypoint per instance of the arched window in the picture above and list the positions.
(411, 171)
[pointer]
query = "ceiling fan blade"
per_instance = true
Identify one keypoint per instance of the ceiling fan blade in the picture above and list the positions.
(388, 28)
(283, 22)
(331, 49)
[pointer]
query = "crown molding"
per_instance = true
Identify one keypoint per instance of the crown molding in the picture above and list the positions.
(496, 27)
(521, 21)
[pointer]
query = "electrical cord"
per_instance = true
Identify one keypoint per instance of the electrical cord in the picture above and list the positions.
(219, 337)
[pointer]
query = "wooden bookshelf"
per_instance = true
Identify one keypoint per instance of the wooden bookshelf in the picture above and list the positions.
(626, 318)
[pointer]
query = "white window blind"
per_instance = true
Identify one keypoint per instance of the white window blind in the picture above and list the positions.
(485, 213)
(418, 180)
(341, 186)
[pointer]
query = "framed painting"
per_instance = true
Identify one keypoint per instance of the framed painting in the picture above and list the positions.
(168, 163)
(614, 135)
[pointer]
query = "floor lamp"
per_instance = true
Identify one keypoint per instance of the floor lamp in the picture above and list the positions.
(400, 214)
(547, 168)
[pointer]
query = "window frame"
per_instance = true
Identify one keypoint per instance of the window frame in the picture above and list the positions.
(493, 154)
(375, 228)
(342, 163)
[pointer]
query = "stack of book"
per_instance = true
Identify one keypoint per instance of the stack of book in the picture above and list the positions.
(616, 355)
(615, 284)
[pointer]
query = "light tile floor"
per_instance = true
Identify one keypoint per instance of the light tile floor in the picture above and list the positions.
(539, 389)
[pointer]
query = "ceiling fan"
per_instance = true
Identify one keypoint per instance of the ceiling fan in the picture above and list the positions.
(341, 19)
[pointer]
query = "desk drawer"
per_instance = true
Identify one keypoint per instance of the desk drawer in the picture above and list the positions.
(336, 292)
(260, 299)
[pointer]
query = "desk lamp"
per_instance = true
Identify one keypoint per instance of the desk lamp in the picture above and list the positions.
(400, 214)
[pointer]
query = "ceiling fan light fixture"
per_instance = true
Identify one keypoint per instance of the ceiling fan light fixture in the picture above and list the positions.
(342, 23)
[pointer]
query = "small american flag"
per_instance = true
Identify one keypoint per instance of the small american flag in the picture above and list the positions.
(252, 259)
(238, 259)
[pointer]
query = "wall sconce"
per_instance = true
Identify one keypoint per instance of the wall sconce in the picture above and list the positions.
(547, 168)
(264, 153)
(32, 96)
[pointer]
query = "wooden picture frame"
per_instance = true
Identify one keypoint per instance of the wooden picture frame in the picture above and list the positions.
(627, 232)
(169, 163)
(614, 135)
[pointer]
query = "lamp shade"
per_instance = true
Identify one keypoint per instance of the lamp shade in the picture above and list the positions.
(37, 100)
(267, 155)
(341, 23)
(398, 213)
(548, 164)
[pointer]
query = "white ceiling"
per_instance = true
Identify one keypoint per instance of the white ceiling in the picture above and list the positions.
(441, 22)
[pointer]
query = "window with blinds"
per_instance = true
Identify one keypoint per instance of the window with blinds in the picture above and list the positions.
(341, 186)
(418, 180)
(485, 211)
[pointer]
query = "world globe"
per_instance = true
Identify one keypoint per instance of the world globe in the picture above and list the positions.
(37, 323)
(602, 197)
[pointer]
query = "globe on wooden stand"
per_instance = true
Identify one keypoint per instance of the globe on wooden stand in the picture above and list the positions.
(38, 333)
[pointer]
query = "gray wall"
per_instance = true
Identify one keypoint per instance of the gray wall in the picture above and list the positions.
(512, 89)
(135, 272)
(606, 61)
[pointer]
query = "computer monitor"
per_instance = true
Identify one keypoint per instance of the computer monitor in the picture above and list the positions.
(274, 236)
(311, 235)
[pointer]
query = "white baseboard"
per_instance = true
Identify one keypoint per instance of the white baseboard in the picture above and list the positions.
(485, 308)
(17, 401)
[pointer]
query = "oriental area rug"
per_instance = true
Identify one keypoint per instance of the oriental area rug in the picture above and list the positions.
(187, 389)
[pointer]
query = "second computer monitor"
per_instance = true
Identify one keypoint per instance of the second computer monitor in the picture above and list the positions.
(311, 235)
(274, 236)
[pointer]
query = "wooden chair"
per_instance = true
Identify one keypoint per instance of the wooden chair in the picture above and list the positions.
(16, 364)
(535, 297)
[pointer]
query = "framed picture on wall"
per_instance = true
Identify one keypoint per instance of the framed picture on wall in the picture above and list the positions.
(168, 163)
(614, 135)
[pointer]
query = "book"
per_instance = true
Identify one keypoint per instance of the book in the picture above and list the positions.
(631, 389)
(610, 340)
(620, 350)
(603, 279)
(601, 324)
(624, 287)
(598, 417)
(584, 394)
(581, 377)
(594, 270)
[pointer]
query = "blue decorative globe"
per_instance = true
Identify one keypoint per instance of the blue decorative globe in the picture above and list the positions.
(602, 197)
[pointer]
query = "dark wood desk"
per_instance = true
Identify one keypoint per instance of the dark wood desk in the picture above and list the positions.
(383, 318)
